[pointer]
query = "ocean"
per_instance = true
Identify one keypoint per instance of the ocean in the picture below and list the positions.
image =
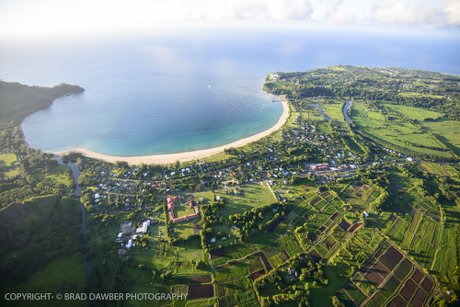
(196, 89)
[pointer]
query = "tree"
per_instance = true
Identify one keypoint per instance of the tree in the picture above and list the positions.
(336, 302)
(200, 264)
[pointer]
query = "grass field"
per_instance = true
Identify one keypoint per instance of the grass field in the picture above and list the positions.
(448, 132)
(185, 229)
(182, 210)
(7, 165)
(447, 256)
(425, 242)
(66, 274)
(334, 111)
(397, 232)
(440, 169)
(399, 132)
(419, 95)
(413, 112)
(252, 196)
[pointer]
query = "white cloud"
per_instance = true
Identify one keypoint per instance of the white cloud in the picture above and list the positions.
(452, 11)
(335, 11)
(436, 13)
(288, 9)
(280, 10)
(57, 17)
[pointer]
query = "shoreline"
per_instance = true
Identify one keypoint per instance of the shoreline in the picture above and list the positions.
(189, 155)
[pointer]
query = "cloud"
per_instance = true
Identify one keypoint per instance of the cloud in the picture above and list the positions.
(62, 17)
(452, 11)
(336, 12)
(279, 10)
(437, 13)
(89, 16)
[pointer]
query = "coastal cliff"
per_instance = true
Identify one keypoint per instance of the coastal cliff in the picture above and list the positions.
(17, 101)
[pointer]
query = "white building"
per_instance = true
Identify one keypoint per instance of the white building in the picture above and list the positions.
(143, 229)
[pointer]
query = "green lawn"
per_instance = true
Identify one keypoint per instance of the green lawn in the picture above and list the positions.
(185, 229)
(334, 111)
(183, 210)
(61, 175)
(7, 165)
(254, 195)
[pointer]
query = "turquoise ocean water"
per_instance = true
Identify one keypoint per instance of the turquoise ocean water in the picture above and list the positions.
(180, 92)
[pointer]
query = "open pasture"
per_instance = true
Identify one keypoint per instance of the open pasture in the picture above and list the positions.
(403, 134)
(414, 112)
(241, 198)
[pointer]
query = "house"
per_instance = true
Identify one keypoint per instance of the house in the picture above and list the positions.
(143, 229)
(126, 228)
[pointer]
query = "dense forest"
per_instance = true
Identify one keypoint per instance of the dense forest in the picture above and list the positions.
(18, 101)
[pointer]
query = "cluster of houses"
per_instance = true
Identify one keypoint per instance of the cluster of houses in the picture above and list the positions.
(326, 167)
(318, 167)
(170, 205)
(128, 234)
(183, 172)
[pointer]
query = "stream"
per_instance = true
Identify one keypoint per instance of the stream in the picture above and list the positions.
(321, 111)
(83, 227)
(347, 107)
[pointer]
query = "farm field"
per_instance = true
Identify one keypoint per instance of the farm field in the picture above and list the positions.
(401, 133)
(389, 278)
(325, 212)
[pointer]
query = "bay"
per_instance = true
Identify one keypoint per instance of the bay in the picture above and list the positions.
(196, 89)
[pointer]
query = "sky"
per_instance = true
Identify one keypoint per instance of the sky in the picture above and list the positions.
(41, 18)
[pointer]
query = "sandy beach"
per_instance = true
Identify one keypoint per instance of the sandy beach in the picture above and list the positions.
(190, 155)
